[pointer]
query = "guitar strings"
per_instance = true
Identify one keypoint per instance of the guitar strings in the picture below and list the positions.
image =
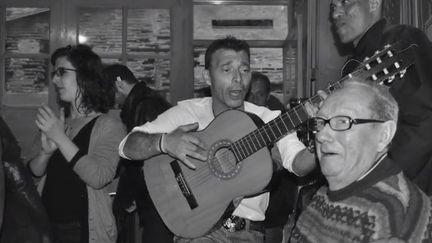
(248, 139)
(230, 151)
(225, 158)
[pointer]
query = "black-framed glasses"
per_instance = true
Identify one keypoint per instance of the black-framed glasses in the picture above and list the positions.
(340, 123)
(59, 72)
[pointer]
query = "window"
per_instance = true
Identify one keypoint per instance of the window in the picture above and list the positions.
(138, 38)
(26, 57)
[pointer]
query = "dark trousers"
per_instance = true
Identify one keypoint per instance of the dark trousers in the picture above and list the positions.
(68, 233)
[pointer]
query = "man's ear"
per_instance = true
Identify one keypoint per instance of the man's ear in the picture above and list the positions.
(206, 76)
(388, 130)
(375, 5)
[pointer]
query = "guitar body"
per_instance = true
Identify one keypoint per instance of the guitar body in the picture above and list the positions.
(192, 201)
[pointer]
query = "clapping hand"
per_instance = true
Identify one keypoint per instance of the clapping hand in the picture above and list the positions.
(48, 145)
(51, 126)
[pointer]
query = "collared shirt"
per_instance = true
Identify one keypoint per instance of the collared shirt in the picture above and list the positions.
(200, 110)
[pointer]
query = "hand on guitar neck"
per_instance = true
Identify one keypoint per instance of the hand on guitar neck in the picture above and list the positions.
(181, 144)
(312, 108)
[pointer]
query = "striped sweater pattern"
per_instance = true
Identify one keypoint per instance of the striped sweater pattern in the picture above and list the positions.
(392, 208)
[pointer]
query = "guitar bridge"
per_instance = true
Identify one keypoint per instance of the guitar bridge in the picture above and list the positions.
(184, 187)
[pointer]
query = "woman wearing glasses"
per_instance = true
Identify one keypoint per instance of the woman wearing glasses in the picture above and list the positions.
(78, 155)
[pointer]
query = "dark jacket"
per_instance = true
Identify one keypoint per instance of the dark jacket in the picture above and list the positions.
(24, 216)
(411, 148)
(141, 105)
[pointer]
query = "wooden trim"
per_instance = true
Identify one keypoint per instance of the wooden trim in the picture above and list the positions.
(300, 53)
(2, 52)
(25, 3)
(127, 3)
(240, 2)
(124, 35)
(252, 43)
(182, 69)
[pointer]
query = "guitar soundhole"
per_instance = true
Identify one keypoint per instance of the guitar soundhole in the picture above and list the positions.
(222, 161)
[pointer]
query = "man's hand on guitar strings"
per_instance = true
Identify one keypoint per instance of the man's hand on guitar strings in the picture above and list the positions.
(181, 145)
(312, 109)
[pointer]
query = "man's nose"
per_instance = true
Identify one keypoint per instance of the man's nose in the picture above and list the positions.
(55, 79)
(337, 12)
(325, 134)
(237, 77)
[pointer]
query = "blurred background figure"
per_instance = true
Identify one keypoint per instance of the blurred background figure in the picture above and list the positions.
(124, 81)
(2, 187)
(259, 92)
(139, 104)
(78, 157)
(24, 217)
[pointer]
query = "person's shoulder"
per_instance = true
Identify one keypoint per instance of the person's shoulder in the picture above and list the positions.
(400, 28)
(407, 34)
(196, 103)
(252, 108)
(261, 111)
(274, 103)
(111, 119)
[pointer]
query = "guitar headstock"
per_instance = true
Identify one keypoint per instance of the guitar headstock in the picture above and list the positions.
(386, 64)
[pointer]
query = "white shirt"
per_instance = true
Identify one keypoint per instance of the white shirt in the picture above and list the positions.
(200, 110)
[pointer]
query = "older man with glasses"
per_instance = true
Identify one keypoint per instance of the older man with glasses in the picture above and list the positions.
(368, 198)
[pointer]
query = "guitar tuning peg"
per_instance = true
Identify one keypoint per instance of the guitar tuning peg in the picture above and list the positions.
(402, 73)
(389, 53)
(368, 67)
(388, 81)
(376, 52)
(366, 58)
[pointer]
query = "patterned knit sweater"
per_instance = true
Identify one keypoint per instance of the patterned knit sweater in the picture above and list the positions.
(382, 205)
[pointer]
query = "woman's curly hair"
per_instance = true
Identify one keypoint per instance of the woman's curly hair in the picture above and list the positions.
(96, 93)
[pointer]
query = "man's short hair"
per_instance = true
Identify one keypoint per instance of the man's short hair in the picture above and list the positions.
(383, 105)
(260, 77)
(229, 43)
(113, 71)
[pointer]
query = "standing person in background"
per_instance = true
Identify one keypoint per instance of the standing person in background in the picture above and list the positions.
(125, 81)
(78, 157)
(227, 69)
(139, 104)
(282, 186)
(360, 22)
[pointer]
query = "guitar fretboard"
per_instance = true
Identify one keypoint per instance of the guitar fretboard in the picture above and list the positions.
(378, 68)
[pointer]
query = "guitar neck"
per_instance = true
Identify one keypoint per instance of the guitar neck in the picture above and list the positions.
(288, 121)
(380, 68)
(274, 130)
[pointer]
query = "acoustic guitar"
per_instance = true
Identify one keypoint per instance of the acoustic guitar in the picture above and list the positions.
(239, 164)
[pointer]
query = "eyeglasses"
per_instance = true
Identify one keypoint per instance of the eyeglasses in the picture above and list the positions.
(59, 72)
(339, 123)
